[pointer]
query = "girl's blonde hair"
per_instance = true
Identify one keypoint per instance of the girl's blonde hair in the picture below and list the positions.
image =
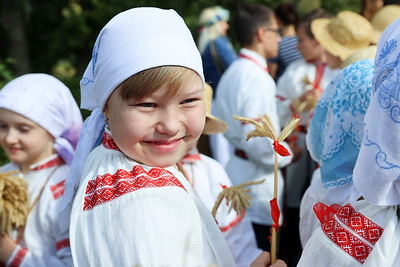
(146, 82)
(210, 29)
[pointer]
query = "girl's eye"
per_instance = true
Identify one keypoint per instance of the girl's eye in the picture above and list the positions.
(3, 126)
(24, 129)
(190, 100)
(146, 105)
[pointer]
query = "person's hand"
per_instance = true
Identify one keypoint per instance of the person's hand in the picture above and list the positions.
(7, 246)
(264, 260)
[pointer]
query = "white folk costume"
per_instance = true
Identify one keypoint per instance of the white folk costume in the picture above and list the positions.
(42, 244)
(49, 103)
(208, 178)
(334, 139)
(299, 77)
(367, 232)
(246, 89)
(125, 213)
(156, 208)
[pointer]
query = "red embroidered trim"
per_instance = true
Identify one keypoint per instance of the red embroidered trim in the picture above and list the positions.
(111, 186)
(108, 142)
(62, 244)
(19, 257)
(350, 241)
(58, 189)
(237, 220)
(191, 158)
(51, 163)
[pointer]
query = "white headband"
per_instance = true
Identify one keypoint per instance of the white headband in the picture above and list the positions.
(48, 102)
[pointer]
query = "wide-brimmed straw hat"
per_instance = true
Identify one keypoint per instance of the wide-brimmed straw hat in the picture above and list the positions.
(382, 18)
(343, 34)
(363, 53)
(213, 125)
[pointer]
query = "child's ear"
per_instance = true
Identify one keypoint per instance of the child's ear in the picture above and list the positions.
(260, 34)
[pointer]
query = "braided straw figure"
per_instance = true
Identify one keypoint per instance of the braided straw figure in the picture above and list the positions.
(14, 202)
(264, 128)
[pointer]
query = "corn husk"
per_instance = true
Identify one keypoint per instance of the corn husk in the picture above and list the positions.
(14, 202)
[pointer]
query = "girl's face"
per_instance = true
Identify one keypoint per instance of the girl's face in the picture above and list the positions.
(24, 141)
(158, 130)
(309, 48)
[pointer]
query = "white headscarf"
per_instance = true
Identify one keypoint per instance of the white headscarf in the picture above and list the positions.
(48, 102)
(132, 41)
(377, 171)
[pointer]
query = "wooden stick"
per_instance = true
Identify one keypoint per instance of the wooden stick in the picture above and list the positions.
(273, 230)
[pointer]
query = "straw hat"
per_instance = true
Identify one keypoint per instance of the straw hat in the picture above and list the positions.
(367, 52)
(343, 34)
(382, 18)
(213, 125)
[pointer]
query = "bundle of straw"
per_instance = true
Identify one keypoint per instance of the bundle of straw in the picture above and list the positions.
(264, 128)
(237, 198)
(14, 202)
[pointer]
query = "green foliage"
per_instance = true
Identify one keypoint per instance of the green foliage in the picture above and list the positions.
(61, 33)
(5, 71)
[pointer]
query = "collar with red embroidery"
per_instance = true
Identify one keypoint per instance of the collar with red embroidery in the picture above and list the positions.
(54, 160)
(108, 141)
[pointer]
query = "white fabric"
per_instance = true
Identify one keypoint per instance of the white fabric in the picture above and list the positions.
(221, 149)
(377, 172)
(321, 251)
(315, 193)
(245, 89)
(41, 232)
(207, 177)
(152, 226)
(291, 86)
(48, 102)
(133, 41)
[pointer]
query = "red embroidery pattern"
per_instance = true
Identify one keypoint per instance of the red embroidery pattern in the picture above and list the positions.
(19, 257)
(349, 241)
(58, 189)
(111, 186)
(191, 158)
(108, 142)
(51, 163)
(62, 244)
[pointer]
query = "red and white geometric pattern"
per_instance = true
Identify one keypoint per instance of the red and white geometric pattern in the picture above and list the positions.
(58, 189)
(51, 163)
(108, 142)
(19, 257)
(111, 186)
(352, 232)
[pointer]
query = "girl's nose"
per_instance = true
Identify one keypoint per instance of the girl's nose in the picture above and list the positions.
(169, 122)
(11, 136)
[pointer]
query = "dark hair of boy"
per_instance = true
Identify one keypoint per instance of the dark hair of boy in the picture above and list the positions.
(249, 18)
